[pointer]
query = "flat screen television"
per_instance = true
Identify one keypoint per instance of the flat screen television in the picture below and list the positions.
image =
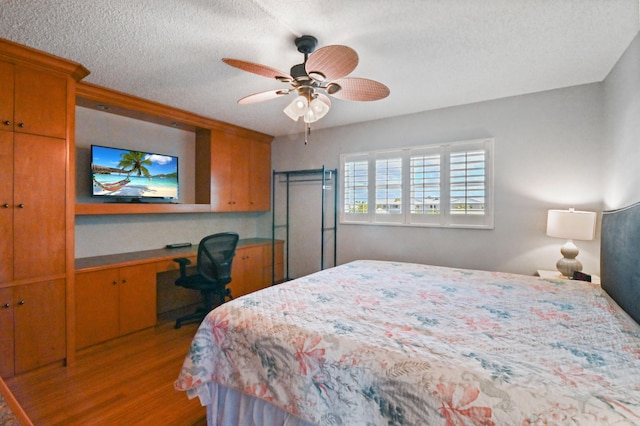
(123, 175)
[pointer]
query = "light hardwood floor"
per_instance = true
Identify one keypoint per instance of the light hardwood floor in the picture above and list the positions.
(127, 381)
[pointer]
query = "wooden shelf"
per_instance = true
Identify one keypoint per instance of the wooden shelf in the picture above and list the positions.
(141, 208)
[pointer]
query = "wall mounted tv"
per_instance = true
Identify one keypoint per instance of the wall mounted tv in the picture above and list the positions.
(123, 175)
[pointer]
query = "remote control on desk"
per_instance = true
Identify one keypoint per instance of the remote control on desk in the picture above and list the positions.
(178, 245)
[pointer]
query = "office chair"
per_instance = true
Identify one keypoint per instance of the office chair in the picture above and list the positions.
(215, 256)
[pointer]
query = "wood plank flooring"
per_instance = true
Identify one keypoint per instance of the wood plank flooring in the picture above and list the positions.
(127, 381)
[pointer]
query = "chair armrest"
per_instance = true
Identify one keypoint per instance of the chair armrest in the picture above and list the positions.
(183, 262)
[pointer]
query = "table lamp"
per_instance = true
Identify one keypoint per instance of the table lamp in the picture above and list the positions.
(571, 225)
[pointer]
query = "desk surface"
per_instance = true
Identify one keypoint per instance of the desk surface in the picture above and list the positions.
(146, 256)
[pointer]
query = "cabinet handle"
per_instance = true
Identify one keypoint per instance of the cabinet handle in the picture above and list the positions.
(6, 122)
(21, 206)
(5, 205)
(114, 282)
(20, 124)
(22, 302)
(124, 281)
(6, 306)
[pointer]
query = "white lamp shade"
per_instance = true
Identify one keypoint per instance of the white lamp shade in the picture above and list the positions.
(297, 108)
(317, 110)
(571, 224)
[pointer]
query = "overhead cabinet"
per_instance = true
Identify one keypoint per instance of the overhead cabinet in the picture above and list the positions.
(236, 171)
(33, 100)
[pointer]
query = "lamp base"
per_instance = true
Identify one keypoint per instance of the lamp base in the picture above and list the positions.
(568, 264)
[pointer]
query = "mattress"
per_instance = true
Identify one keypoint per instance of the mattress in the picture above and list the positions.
(373, 342)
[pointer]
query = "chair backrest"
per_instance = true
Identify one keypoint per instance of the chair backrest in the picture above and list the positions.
(215, 256)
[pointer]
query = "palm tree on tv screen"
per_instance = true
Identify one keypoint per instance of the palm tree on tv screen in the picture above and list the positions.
(135, 162)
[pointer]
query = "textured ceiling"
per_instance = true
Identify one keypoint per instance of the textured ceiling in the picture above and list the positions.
(430, 53)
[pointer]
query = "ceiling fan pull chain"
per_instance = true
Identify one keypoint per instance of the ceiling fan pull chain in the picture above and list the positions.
(307, 132)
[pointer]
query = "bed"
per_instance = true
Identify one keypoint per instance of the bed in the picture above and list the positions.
(391, 343)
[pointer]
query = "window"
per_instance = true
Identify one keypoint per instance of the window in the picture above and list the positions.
(438, 185)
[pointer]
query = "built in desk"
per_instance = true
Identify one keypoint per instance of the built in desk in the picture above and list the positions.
(121, 293)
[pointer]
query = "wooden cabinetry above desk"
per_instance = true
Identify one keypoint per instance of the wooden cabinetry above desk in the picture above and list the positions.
(232, 164)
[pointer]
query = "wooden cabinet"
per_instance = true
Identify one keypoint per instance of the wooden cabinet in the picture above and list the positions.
(252, 267)
(247, 274)
(6, 206)
(39, 192)
(240, 173)
(7, 358)
(260, 176)
(32, 206)
(32, 320)
(114, 302)
(36, 218)
(33, 101)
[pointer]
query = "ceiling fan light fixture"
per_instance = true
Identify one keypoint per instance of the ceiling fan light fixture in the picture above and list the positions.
(318, 108)
(297, 108)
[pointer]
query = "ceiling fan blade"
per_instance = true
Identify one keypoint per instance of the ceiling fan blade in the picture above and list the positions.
(263, 96)
(358, 89)
(331, 62)
(262, 70)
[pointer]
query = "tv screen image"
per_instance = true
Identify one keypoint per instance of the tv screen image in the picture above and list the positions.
(133, 175)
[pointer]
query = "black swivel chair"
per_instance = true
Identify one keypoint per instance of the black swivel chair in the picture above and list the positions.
(215, 256)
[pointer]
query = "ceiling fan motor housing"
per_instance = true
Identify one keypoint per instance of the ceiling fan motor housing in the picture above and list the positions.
(306, 44)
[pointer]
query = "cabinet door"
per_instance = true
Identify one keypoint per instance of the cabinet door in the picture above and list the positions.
(137, 297)
(39, 324)
(221, 173)
(96, 306)
(247, 272)
(240, 172)
(260, 176)
(229, 173)
(6, 332)
(40, 102)
(6, 205)
(39, 199)
(6, 96)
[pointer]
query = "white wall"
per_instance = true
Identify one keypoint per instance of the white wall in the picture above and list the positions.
(622, 136)
(548, 149)
(98, 235)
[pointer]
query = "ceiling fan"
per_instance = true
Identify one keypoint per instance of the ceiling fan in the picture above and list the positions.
(322, 73)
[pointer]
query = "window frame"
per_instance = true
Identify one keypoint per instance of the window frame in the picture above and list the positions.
(444, 217)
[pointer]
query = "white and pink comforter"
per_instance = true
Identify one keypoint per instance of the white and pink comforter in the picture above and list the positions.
(387, 343)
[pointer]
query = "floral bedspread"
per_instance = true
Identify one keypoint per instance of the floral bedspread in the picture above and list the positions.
(387, 343)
